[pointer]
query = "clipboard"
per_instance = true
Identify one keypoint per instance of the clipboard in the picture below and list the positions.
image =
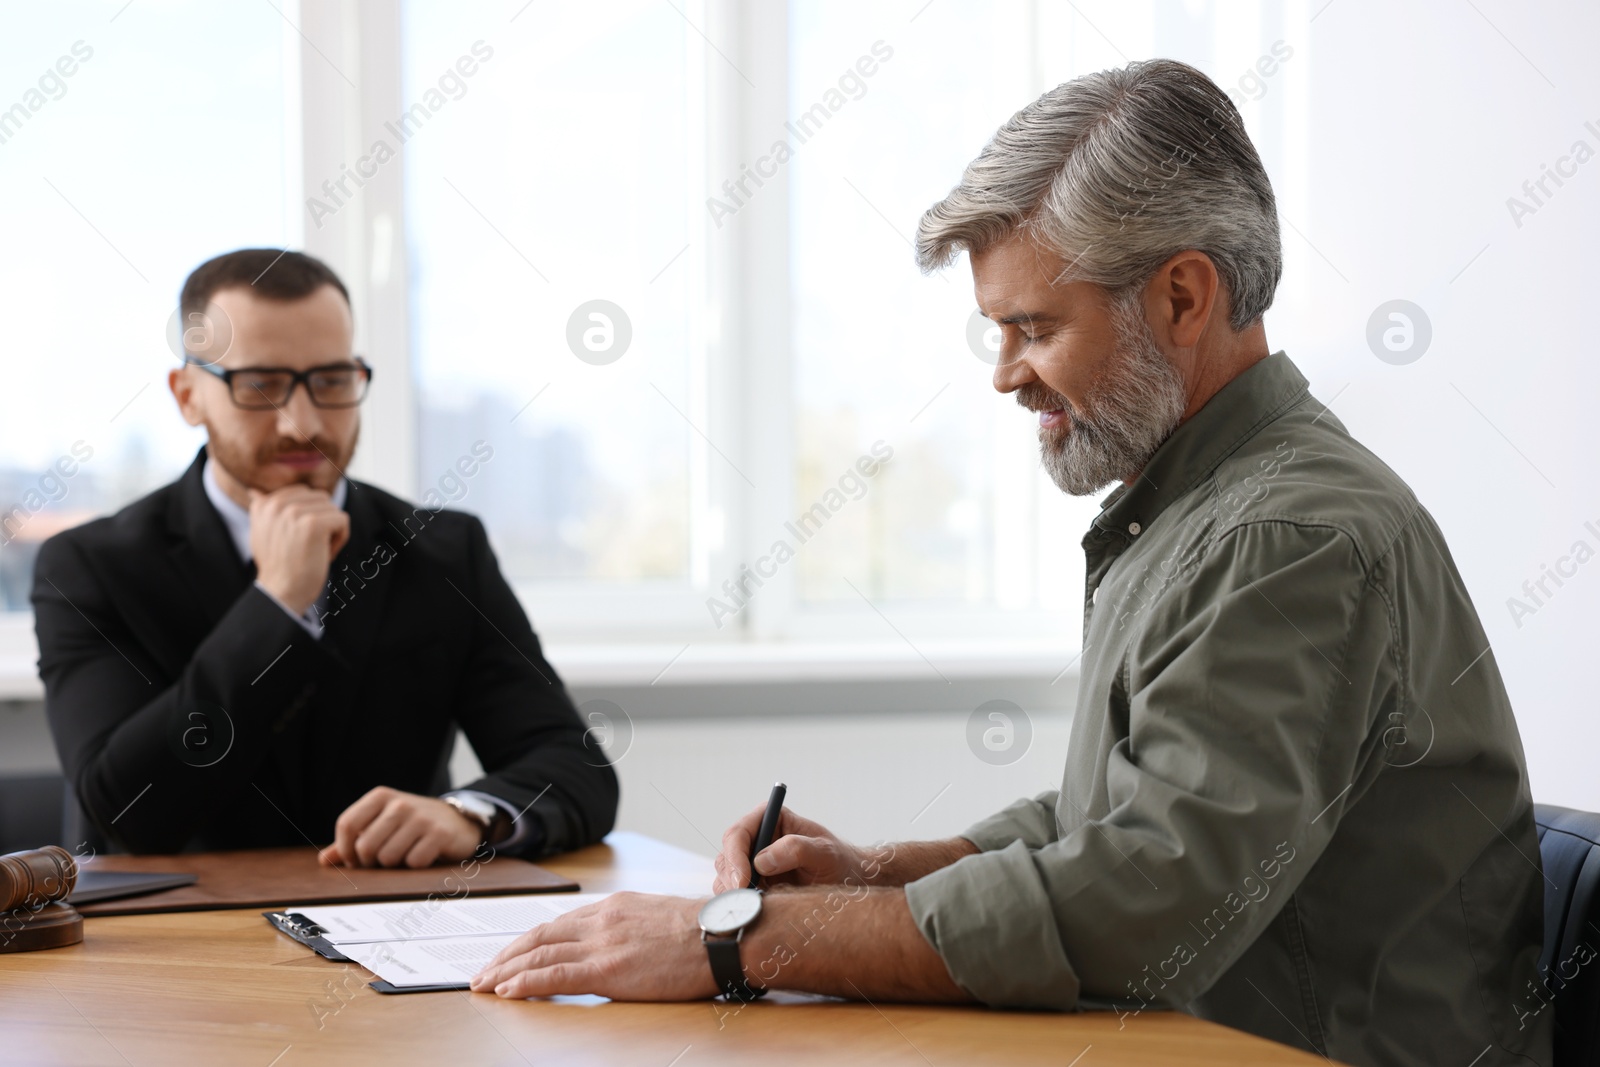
(421, 946)
(307, 933)
(310, 934)
(388, 987)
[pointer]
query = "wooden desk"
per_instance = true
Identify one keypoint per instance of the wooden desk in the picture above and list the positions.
(223, 987)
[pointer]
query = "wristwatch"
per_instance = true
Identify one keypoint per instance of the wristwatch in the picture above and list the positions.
(723, 920)
(495, 822)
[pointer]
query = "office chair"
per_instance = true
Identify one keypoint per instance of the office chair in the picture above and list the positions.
(30, 811)
(1569, 845)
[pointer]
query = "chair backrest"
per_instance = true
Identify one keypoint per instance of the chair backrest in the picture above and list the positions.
(1569, 845)
(30, 811)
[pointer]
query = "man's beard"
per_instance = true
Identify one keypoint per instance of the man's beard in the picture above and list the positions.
(1129, 411)
(247, 466)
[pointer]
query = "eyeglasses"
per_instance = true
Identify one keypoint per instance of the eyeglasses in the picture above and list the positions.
(334, 385)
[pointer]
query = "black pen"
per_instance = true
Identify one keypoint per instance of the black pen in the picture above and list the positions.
(769, 826)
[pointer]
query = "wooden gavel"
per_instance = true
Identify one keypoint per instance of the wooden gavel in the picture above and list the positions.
(34, 886)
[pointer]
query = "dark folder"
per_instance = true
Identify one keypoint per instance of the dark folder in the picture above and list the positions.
(275, 877)
(94, 884)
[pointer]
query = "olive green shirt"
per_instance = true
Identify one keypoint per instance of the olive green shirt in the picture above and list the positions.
(1295, 800)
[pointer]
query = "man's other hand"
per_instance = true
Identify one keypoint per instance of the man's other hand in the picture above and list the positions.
(295, 532)
(629, 946)
(388, 828)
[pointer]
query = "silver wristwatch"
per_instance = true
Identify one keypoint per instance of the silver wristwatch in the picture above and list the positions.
(480, 811)
(723, 920)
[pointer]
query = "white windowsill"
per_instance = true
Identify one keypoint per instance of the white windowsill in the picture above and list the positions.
(664, 665)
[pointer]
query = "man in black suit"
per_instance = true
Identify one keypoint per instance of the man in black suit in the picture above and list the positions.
(267, 653)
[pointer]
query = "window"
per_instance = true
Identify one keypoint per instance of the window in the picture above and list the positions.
(961, 517)
(711, 479)
(704, 485)
(719, 399)
(555, 293)
(135, 143)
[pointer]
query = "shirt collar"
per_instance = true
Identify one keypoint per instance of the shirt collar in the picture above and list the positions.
(1198, 446)
(236, 518)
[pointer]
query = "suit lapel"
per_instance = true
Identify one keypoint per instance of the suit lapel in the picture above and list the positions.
(206, 560)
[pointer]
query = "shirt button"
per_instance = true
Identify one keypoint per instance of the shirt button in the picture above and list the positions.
(1134, 528)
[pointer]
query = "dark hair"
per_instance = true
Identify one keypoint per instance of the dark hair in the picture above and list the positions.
(273, 273)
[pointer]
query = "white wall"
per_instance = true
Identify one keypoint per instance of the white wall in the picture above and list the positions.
(868, 777)
(1424, 121)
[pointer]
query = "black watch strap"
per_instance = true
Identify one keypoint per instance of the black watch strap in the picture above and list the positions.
(500, 827)
(727, 970)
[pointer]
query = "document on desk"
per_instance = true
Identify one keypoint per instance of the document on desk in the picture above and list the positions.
(435, 942)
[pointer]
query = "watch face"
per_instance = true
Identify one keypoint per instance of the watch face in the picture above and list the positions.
(473, 808)
(730, 912)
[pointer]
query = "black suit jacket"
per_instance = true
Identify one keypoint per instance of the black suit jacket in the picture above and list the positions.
(191, 712)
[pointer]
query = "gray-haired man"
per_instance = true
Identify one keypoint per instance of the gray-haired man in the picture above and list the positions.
(1295, 799)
